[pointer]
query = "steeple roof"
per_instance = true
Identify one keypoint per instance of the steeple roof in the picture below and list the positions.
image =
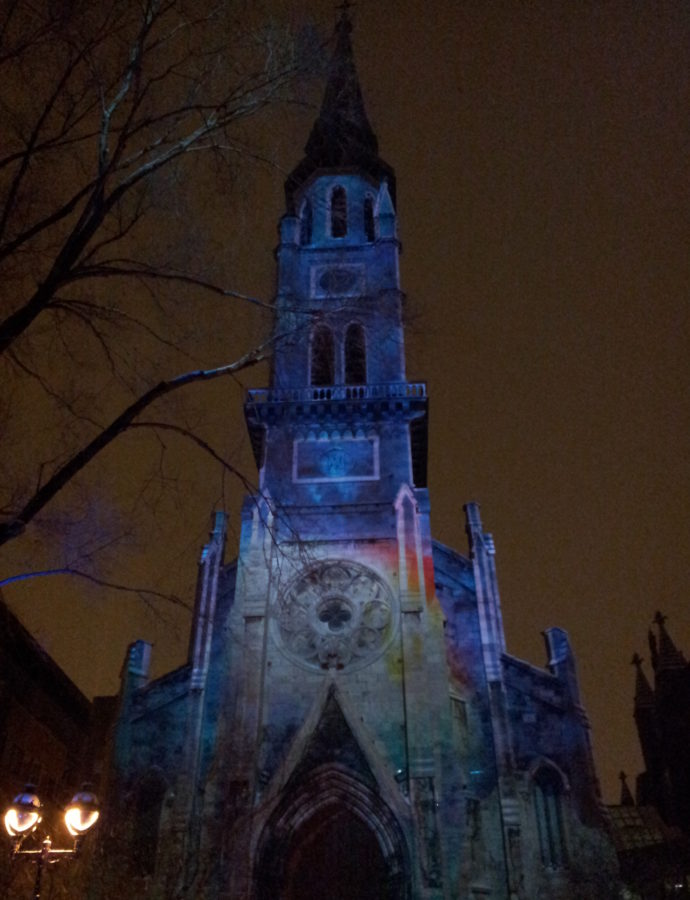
(341, 138)
(626, 796)
(644, 695)
(670, 657)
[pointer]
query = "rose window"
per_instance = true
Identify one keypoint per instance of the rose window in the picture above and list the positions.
(335, 615)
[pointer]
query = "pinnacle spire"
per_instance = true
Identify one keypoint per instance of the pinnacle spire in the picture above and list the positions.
(342, 137)
(644, 695)
(669, 657)
(626, 796)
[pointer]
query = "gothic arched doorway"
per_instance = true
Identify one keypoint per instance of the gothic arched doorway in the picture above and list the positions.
(332, 839)
(335, 855)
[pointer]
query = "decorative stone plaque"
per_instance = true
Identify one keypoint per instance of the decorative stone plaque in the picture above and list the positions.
(336, 459)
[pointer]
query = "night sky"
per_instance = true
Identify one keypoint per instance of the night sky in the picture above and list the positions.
(542, 157)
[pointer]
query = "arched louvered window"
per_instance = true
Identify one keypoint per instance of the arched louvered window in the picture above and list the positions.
(322, 356)
(548, 808)
(148, 806)
(305, 223)
(355, 355)
(338, 212)
(369, 225)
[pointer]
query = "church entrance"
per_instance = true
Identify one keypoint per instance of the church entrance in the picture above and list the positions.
(336, 856)
(332, 838)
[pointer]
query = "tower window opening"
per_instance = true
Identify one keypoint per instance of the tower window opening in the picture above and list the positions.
(305, 224)
(338, 212)
(355, 355)
(548, 792)
(369, 225)
(322, 357)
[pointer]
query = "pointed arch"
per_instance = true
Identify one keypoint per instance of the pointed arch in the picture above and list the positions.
(338, 212)
(331, 803)
(548, 790)
(306, 223)
(355, 354)
(322, 363)
(369, 222)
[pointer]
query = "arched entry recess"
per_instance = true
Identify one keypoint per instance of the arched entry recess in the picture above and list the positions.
(332, 836)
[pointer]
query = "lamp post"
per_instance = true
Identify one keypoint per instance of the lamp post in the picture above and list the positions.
(25, 814)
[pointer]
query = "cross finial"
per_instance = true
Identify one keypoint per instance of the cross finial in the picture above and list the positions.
(345, 8)
(660, 618)
(627, 798)
(636, 660)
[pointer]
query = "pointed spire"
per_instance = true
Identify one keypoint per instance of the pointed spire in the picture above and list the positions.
(341, 137)
(669, 655)
(653, 649)
(645, 717)
(342, 132)
(384, 204)
(626, 796)
(385, 212)
(644, 695)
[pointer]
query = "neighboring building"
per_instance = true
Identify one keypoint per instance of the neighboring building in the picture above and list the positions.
(46, 739)
(349, 723)
(654, 858)
(652, 831)
(662, 716)
(44, 718)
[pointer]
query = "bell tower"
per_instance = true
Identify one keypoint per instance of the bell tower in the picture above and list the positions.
(335, 565)
(338, 384)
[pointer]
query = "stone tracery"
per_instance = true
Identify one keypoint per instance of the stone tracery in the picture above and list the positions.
(335, 614)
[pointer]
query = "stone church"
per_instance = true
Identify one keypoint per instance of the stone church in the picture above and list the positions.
(662, 717)
(349, 723)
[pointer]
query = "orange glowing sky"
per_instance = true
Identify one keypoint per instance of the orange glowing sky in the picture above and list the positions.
(542, 158)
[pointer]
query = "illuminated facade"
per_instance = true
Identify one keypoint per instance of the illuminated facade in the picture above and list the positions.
(349, 723)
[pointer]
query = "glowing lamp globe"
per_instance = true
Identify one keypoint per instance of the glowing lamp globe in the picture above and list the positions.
(24, 814)
(82, 813)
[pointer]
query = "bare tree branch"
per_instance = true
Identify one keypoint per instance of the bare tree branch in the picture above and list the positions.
(45, 386)
(202, 444)
(143, 593)
(133, 269)
(138, 135)
(18, 523)
(109, 112)
(88, 311)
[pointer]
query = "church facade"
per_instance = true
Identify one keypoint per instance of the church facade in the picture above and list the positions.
(349, 722)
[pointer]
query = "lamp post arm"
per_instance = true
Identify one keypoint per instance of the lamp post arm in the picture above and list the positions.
(49, 854)
(46, 854)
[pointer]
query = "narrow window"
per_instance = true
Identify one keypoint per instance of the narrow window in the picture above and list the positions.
(305, 224)
(369, 227)
(338, 212)
(355, 355)
(322, 356)
(458, 710)
(147, 813)
(548, 791)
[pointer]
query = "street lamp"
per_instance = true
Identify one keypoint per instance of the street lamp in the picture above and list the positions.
(23, 817)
